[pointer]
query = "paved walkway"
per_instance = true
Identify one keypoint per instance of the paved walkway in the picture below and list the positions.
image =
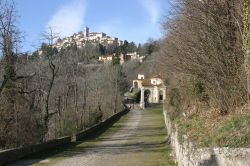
(137, 139)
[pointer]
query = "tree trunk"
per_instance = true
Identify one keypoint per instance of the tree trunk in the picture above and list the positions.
(246, 43)
(8, 92)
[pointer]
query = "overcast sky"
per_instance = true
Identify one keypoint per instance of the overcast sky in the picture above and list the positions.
(132, 20)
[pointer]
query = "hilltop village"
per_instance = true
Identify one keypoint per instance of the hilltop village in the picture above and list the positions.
(107, 49)
(85, 36)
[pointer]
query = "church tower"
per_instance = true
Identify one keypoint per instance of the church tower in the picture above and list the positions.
(86, 32)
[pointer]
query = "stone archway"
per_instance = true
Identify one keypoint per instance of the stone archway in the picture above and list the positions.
(136, 85)
(146, 96)
(161, 97)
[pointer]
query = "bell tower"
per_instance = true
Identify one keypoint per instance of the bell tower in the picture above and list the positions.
(86, 32)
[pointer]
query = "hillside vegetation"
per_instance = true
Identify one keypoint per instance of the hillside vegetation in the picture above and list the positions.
(204, 61)
(57, 92)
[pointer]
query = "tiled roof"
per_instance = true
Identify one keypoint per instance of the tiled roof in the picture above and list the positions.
(146, 82)
(157, 76)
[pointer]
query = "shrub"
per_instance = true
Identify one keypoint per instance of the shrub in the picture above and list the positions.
(200, 92)
(175, 99)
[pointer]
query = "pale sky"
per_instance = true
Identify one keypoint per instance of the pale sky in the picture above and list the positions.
(132, 20)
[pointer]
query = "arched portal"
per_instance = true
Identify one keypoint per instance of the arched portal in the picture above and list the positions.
(146, 97)
(161, 96)
(136, 85)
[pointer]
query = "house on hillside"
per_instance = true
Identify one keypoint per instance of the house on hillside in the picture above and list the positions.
(152, 90)
(106, 59)
(133, 56)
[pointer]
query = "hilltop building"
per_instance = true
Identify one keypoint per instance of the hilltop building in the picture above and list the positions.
(81, 38)
(86, 31)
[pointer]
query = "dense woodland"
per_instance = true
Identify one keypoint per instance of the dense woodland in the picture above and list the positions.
(203, 58)
(59, 92)
(203, 44)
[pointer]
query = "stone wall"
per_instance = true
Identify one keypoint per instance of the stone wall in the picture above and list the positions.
(187, 155)
(11, 155)
(104, 124)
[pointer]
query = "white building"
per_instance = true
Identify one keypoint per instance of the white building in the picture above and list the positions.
(153, 90)
(81, 38)
(134, 56)
(131, 57)
(120, 42)
(106, 59)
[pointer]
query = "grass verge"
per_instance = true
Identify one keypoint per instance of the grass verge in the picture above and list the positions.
(206, 128)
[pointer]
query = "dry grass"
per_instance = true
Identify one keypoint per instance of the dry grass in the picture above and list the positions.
(207, 128)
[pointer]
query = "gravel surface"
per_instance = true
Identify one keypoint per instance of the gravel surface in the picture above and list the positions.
(138, 139)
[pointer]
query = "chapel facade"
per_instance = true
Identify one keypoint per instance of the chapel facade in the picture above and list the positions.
(153, 90)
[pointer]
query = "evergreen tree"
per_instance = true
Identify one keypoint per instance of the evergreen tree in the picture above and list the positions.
(125, 47)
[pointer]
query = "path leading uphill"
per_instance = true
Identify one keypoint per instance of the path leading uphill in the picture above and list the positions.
(137, 139)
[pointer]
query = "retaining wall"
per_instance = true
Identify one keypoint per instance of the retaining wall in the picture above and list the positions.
(10, 155)
(187, 155)
(90, 131)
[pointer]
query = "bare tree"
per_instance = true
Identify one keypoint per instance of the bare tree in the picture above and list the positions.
(50, 36)
(8, 37)
(48, 95)
(246, 43)
(203, 42)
